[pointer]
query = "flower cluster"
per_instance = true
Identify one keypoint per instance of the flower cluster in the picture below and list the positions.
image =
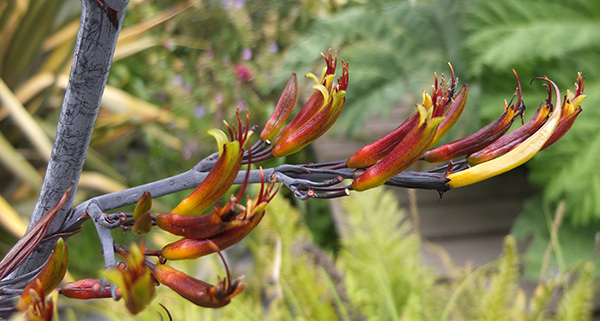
(223, 227)
(490, 148)
(203, 233)
(529, 143)
(317, 115)
(208, 226)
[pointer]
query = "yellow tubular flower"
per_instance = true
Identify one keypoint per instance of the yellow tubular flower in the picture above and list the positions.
(516, 157)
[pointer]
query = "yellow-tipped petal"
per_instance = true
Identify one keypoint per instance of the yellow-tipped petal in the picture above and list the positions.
(220, 136)
(516, 157)
(313, 77)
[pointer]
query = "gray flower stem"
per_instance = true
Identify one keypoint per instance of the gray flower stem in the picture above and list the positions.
(292, 176)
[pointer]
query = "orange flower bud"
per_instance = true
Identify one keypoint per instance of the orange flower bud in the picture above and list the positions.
(197, 291)
(134, 280)
(194, 227)
(144, 204)
(86, 289)
(282, 110)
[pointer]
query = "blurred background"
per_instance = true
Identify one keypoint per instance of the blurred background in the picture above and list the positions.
(181, 67)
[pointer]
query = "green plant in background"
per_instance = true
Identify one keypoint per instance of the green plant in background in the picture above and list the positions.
(377, 275)
(393, 47)
(499, 36)
(402, 40)
(403, 293)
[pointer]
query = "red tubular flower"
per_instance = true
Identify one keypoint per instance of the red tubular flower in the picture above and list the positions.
(481, 138)
(451, 114)
(443, 93)
(315, 102)
(318, 114)
(222, 175)
(197, 291)
(515, 157)
(86, 289)
(404, 154)
(516, 137)
(370, 154)
(238, 222)
(571, 110)
(444, 103)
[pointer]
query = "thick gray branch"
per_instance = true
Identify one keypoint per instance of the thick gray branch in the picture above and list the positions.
(96, 42)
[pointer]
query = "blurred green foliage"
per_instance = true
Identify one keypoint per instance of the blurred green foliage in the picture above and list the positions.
(557, 39)
(378, 275)
(394, 48)
(200, 63)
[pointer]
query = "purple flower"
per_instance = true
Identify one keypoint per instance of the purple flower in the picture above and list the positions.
(218, 98)
(227, 4)
(233, 4)
(199, 111)
(186, 153)
(247, 54)
(161, 96)
(242, 105)
(273, 47)
(178, 80)
(210, 53)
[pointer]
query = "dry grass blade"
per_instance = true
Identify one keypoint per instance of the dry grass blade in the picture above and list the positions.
(25, 246)
(18, 165)
(33, 86)
(11, 220)
(25, 121)
(122, 102)
(137, 110)
(99, 182)
(11, 24)
(63, 35)
(135, 31)
(132, 47)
